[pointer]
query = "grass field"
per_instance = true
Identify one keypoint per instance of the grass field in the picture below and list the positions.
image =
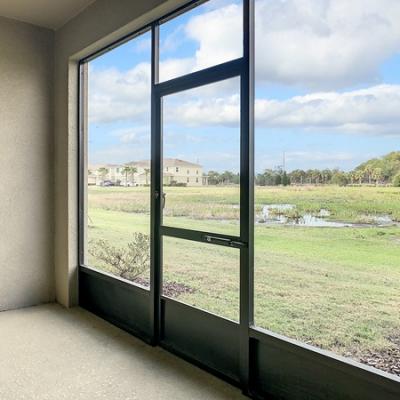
(336, 288)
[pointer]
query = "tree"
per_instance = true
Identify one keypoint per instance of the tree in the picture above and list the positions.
(213, 178)
(396, 180)
(227, 177)
(339, 178)
(359, 175)
(147, 172)
(377, 175)
(128, 170)
(129, 261)
(285, 179)
(102, 171)
(368, 171)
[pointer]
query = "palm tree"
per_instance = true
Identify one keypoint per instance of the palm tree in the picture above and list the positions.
(377, 175)
(147, 172)
(368, 170)
(102, 171)
(127, 170)
(359, 175)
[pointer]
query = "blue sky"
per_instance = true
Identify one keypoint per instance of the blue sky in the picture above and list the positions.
(325, 97)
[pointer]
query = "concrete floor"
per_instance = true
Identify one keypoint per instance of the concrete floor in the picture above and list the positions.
(48, 352)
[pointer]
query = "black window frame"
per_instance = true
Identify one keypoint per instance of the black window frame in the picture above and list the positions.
(269, 364)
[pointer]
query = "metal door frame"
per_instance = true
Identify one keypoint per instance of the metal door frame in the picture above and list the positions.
(243, 68)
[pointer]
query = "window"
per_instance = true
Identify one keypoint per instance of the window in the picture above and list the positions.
(197, 171)
(187, 180)
(197, 180)
(195, 49)
(326, 215)
(177, 169)
(118, 220)
(215, 208)
(188, 172)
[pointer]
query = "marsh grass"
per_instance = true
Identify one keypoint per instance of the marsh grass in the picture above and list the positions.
(348, 204)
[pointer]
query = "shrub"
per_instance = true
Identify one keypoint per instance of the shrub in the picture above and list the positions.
(129, 261)
(396, 180)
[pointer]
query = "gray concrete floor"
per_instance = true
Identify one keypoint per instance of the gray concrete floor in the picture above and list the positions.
(48, 352)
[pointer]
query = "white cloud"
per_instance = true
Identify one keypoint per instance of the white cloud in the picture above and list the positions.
(173, 68)
(116, 95)
(372, 110)
(204, 111)
(317, 43)
(219, 35)
(313, 43)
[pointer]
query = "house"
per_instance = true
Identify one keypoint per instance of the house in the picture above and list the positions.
(175, 172)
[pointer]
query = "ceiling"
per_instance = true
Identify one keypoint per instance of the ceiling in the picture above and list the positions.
(52, 14)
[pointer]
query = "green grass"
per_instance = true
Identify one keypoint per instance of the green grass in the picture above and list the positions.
(334, 288)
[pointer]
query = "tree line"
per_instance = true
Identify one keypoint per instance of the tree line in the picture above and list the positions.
(377, 171)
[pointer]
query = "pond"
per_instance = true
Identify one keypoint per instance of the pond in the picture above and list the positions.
(286, 214)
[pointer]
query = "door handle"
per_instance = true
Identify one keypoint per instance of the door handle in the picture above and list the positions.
(224, 241)
(163, 198)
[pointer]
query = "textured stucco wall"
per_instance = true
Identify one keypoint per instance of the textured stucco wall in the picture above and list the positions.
(100, 24)
(26, 165)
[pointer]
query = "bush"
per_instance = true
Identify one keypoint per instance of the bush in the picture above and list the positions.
(396, 180)
(129, 261)
(339, 178)
(178, 184)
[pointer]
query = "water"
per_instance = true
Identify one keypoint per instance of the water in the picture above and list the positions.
(285, 214)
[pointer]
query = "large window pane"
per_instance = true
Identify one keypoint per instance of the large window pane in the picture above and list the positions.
(202, 275)
(327, 265)
(207, 35)
(201, 159)
(118, 177)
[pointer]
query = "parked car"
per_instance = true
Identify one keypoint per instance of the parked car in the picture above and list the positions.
(107, 183)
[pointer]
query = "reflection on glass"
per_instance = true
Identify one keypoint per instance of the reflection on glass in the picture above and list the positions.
(327, 210)
(118, 176)
(186, 46)
(201, 160)
(202, 275)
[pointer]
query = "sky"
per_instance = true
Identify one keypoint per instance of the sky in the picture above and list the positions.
(327, 87)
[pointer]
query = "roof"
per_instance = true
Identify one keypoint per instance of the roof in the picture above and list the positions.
(167, 162)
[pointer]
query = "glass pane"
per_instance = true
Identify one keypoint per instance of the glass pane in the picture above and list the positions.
(327, 255)
(207, 35)
(118, 177)
(202, 158)
(202, 275)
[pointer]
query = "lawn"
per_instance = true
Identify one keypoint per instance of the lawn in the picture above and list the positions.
(336, 288)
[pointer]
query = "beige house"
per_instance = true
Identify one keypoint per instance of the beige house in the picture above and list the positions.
(175, 171)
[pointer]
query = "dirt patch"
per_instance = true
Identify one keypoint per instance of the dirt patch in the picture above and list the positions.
(170, 289)
(387, 360)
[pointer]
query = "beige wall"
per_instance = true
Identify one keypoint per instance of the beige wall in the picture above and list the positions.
(26, 165)
(100, 24)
